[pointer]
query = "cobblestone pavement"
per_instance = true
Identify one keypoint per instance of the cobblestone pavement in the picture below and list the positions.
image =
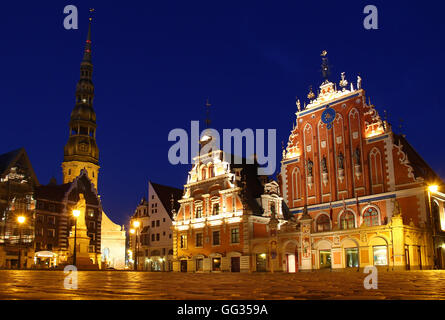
(20, 284)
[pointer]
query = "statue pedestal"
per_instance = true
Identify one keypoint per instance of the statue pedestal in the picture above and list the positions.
(84, 259)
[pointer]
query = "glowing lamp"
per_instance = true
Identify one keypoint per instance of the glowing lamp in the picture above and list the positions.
(433, 188)
(76, 213)
(21, 219)
(136, 224)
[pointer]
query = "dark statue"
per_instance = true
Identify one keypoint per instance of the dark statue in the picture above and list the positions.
(340, 161)
(310, 164)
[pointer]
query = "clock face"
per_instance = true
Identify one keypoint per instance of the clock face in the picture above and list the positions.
(328, 116)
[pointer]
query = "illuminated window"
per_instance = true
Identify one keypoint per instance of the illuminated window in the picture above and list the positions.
(215, 209)
(199, 240)
(371, 217)
(216, 240)
(198, 213)
(323, 223)
(380, 255)
(183, 242)
(347, 220)
(234, 235)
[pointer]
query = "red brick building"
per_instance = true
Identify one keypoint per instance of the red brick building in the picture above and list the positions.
(365, 187)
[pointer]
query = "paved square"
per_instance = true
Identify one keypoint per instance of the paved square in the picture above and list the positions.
(16, 284)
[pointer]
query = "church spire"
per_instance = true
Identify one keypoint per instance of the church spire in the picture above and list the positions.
(81, 151)
(87, 52)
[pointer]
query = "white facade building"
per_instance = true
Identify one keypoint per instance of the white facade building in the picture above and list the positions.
(155, 242)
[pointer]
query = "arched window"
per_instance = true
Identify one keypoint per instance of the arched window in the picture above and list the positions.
(211, 173)
(371, 217)
(347, 220)
(323, 223)
(203, 173)
(296, 183)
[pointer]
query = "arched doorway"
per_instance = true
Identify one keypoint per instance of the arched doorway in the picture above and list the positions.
(350, 253)
(45, 259)
(324, 254)
(290, 250)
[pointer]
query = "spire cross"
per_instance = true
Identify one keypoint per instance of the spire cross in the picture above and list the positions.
(208, 105)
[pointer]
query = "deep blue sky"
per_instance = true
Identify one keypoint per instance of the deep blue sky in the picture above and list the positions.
(156, 62)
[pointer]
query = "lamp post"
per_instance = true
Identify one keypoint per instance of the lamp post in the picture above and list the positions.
(433, 189)
(136, 225)
(76, 214)
(21, 220)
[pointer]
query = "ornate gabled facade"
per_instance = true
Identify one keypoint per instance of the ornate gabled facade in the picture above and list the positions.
(363, 188)
(17, 186)
(224, 207)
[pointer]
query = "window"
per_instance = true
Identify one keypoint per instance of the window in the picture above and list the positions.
(51, 233)
(157, 223)
(157, 237)
(234, 235)
(380, 255)
(153, 224)
(199, 240)
(199, 264)
(170, 236)
(371, 217)
(215, 238)
(215, 209)
(351, 257)
(347, 220)
(92, 225)
(163, 220)
(163, 233)
(91, 212)
(198, 213)
(51, 220)
(40, 218)
(323, 223)
(183, 241)
(211, 171)
(153, 237)
(203, 173)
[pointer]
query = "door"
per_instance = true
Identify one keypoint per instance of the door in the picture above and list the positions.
(291, 265)
(351, 257)
(419, 253)
(216, 264)
(261, 262)
(325, 259)
(183, 265)
(235, 264)
(407, 264)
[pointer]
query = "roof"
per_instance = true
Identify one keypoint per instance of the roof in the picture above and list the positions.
(8, 159)
(52, 192)
(165, 193)
(419, 165)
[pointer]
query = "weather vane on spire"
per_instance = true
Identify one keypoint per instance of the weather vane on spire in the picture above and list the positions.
(324, 65)
(208, 105)
(91, 14)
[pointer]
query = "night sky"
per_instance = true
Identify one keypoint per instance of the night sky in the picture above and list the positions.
(155, 63)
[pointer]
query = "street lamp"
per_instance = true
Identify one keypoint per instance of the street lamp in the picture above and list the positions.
(21, 220)
(76, 214)
(136, 225)
(433, 189)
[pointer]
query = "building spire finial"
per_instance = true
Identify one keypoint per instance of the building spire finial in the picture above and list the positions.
(208, 121)
(87, 53)
(324, 65)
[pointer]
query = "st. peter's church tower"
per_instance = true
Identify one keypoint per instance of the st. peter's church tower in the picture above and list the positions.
(81, 151)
